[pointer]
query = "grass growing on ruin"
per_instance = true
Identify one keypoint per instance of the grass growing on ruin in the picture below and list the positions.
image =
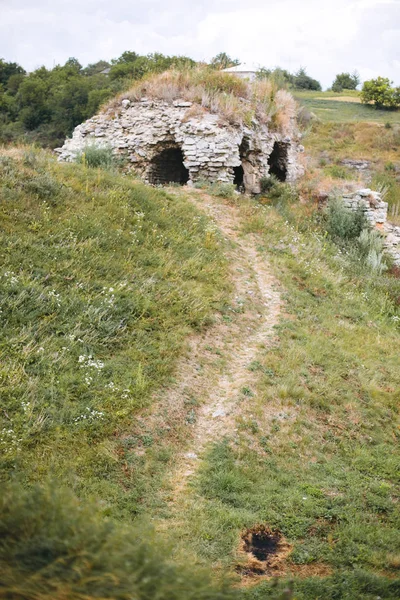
(235, 100)
(316, 450)
(102, 279)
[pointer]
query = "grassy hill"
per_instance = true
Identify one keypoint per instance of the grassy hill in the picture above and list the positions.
(105, 283)
(102, 279)
(345, 107)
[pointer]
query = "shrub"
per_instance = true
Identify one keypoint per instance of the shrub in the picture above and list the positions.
(44, 187)
(222, 190)
(379, 92)
(343, 223)
(371, 248)
(52, 547)
(96, 156)
(268, 184)
(302, 81)
(345, 81)
(338, 172)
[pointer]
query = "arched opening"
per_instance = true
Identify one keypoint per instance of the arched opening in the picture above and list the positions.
(278, 161)
(167, 167)
(238, 176)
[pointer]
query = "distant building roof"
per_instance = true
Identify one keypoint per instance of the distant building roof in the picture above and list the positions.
(105, 71)
(243, 68)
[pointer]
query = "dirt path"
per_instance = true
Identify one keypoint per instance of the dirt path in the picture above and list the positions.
(216, 370)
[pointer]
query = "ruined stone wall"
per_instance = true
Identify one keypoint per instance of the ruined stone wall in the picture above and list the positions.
(370, 202)
(376, 212)
(211, 149)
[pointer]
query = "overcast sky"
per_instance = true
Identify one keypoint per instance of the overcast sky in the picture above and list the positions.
(326, 36)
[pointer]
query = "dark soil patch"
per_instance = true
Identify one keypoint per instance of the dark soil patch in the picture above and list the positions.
(262, 543)
(266, 551)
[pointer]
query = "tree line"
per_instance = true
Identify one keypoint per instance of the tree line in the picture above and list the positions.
(45, 105)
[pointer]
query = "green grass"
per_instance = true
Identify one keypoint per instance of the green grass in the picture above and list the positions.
(54, 548)
(327, 109)
(316, 451)
(101, 281)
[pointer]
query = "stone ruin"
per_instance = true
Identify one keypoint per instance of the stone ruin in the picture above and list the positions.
(376, 211)
(177, 142)
(371, 204)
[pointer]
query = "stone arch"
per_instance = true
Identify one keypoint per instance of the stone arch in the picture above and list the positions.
(167, 166)
(278, 160)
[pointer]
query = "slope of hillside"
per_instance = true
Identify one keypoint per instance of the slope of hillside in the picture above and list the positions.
(102, 279)
(215, 366)
(344, 108)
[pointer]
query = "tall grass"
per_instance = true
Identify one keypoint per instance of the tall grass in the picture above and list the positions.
(53, 547)
(235, 100)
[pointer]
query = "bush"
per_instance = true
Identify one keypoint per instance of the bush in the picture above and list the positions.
(379, 92)
(338, 172)
(345, 81)
(343, 223)
(268, 184)
(44, 187)
(371, 248)
(222, 190)
(52, 547)
(96, 156)
(302, 81)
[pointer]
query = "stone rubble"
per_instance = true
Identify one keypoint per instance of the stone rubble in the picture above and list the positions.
(140, 130)
(358, 165)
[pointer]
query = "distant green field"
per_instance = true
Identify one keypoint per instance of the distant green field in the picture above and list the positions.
(327, 107)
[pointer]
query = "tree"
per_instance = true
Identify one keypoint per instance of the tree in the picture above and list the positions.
(302, 81)
(380, 92)
(345, 81)
(7, 69)
(96, 68)
(223, 61)
(281, 77)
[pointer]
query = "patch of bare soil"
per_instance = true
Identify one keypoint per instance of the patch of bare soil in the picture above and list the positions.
(264, 553)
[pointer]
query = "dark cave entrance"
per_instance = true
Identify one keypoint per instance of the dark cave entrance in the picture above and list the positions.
(167, 167)
(238, 177)
(278, 160)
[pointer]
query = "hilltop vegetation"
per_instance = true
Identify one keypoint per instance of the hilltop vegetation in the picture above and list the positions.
(235, 99)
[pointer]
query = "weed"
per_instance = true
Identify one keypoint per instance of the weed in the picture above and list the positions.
(96, 157)
(343, 223)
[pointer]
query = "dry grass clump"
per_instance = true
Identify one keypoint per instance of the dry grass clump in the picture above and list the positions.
(235, 100)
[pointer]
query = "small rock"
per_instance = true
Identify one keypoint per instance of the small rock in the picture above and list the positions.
(191, 455)
(220, 412)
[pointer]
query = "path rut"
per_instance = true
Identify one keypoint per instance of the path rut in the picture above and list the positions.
(221, 385)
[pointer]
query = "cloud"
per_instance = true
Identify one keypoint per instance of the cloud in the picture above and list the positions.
(326, 37)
